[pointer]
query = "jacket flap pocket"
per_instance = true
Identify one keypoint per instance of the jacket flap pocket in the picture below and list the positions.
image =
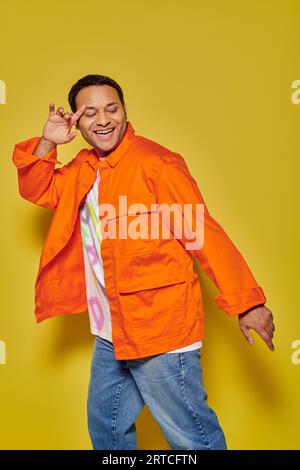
(126, 205)
(150, 280)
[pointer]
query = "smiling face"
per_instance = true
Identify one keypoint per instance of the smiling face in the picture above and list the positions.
(103, 123)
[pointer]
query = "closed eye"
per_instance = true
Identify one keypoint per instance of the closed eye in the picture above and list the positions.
(93, 114)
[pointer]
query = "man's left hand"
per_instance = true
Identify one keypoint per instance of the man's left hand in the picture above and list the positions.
(259, 319)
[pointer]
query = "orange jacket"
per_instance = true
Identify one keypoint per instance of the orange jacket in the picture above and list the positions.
(154, 294)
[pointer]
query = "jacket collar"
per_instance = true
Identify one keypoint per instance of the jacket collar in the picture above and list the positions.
(113, 158)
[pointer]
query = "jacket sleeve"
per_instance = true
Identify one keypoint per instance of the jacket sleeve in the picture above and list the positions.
(39, 181)
(218, 256)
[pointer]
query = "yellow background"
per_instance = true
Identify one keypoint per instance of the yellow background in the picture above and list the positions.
(212, 81)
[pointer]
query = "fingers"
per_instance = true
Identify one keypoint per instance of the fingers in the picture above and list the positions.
(78, 114)
(247, 334)
(266, 331)
(267, 338)
(260, 320)
(70, 118)
(270, 328)
(67, 116)
(71, 136)
(51, 109)
(262, 333)
(60, 112)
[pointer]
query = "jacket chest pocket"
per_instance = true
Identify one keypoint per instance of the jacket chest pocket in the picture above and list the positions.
(134, 227)
(152, 299)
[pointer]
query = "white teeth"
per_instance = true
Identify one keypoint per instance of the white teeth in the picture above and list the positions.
(103, 132)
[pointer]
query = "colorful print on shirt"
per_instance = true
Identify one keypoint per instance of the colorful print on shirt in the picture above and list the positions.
(98, 305)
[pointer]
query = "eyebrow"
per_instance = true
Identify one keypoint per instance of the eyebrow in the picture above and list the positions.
(94, 107)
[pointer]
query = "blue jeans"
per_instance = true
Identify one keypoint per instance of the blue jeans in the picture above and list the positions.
(171, 386)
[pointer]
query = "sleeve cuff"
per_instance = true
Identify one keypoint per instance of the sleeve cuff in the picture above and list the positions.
(23, 153)
(239, 302)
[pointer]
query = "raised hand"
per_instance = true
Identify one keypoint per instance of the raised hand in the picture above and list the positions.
(57, 129)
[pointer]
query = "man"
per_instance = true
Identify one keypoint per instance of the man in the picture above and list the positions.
(142, 294)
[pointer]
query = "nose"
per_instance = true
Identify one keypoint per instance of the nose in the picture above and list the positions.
(102, 119)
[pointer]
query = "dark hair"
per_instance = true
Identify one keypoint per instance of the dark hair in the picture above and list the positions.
(89, 80)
